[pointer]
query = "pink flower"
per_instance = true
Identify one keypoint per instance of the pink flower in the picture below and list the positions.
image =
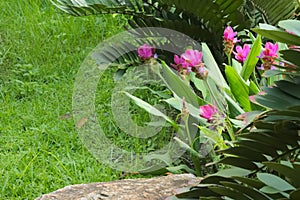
(190, 61)
(208, 111)
(145, 52)
(229, 34)
(268, 56)
(179, 61)
(192, 57)
(229, 40)
(270, 50)
(242, 53)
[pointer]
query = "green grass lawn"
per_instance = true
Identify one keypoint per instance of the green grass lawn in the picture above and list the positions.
(41, 50)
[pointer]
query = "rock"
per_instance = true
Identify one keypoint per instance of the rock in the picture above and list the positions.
(157, 188)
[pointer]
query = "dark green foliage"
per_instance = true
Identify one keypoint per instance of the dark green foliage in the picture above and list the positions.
(203, 20)
(265, 162)
(274, 11)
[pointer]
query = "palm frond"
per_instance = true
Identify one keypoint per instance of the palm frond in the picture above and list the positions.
(95, 7)
(274, 11)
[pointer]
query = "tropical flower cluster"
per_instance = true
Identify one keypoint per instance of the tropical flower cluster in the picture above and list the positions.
(268, 55)
(229, 40)
(190, 61)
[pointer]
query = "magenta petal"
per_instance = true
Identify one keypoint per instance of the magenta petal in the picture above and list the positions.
(192, 57)
(229, 34)
(145, 52)
(207, 111)
(242, 53)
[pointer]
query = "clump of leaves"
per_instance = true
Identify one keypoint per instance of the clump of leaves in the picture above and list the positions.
(265, 161)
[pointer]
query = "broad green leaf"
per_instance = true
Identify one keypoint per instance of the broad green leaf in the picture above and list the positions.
(251, 192)
(213, 179)
(288, 172)
(178, 86)
(214, 136)
(268, 27)
(233, 107)
(195, 193)
(275, 182)
(291, 25)
(279, 36)
(291, 56)
(253, 88)
(188, 148)
(233, 171)
(200, 85)
(151, 109)
(252, 59)
(236, 65)
(177, 104)
(277, 99)
(249, 181)
(269, 190)
(213, 68)
(239, 162)
(270, 73)
(217, 94)
(238, 88)
(224, 191)
(249, 118)
(247, 153)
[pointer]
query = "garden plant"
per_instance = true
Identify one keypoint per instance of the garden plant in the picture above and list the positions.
(240, 88)
(220, 79)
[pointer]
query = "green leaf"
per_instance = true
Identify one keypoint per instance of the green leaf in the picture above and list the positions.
(269, 190)
(224, 191)
(288, 172)
(195, 192)
(271, 73)
(249, 181)
(214, 136)
(253, 88)
(177, 104)
(233, 171)
(233, 107)
(291, 25)
(246, 153)
(252, 59)
(200, 86)
(291, 56)
(239, 162)
(251, 192)
(275, 182)
(238, 88)
(236, 65)
(151, 109)
(212, 179)
(274, 11)
(213, 68)
(179, 87)
(279, 36)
